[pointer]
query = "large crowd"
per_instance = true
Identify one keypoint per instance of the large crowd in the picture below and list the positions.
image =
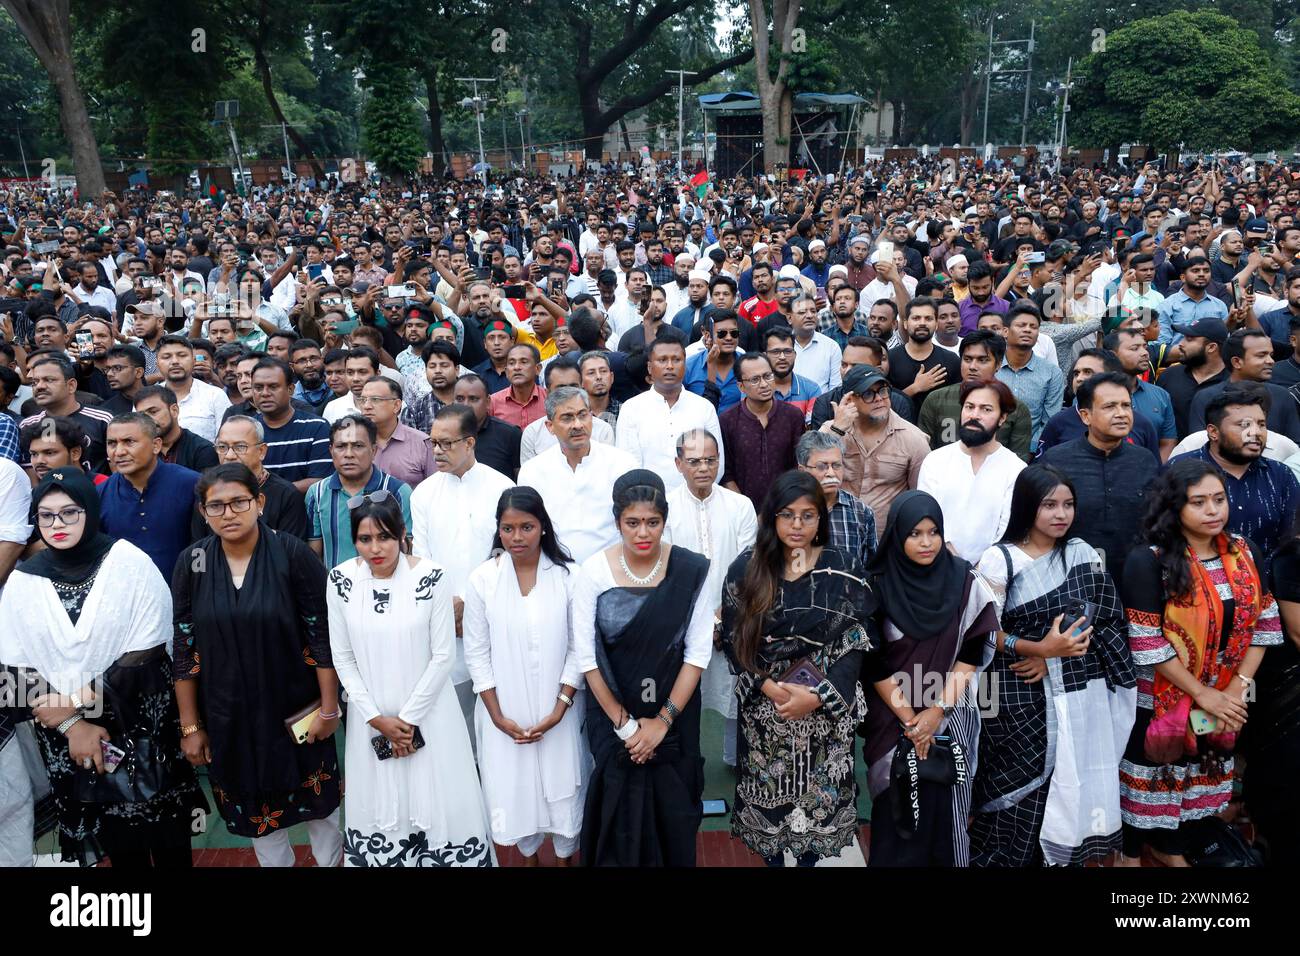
(467, 499)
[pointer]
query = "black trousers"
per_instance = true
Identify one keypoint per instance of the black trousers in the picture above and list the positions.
(163, 845)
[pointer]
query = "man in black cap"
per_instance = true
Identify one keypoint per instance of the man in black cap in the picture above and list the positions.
(1202, 367)
(1248, 355)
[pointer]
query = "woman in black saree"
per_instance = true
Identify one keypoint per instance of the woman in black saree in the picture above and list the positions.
(643, 633)
(251, 648)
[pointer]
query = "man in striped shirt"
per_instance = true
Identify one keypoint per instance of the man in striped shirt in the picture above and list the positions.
(297, 442)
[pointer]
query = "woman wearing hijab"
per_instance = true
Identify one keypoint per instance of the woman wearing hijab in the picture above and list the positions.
(939, 627)
(251, 650)
(520, 654)
(795, 624)
(92, 652)
(643, 634)
(393, 640)
(1048, 786)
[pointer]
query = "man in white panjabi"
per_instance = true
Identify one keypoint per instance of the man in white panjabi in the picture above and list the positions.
(576, 477)
(453, 520)
(718, 523)
(539, 436)
(519, 648)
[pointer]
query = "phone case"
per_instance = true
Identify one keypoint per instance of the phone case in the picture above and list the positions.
(384, 747)
(1202, 723)
(113, 755)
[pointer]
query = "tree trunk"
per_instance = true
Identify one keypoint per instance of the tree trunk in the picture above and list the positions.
(437, 145)
(268, 87)
(46, 26)
(776, 103)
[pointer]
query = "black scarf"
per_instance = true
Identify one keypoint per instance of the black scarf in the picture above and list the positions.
(921, 600)
(69, 565)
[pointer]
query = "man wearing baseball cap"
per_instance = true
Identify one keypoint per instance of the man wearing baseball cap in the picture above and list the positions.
(1202, 366)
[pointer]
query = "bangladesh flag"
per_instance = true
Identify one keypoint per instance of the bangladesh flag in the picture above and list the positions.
(700, 183)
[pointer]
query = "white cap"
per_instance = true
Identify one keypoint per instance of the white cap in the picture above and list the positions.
(759, 247)
(702, 274)
(789, 272)
(862, 238)
(839, 270)
(957, 260)
(816, 244)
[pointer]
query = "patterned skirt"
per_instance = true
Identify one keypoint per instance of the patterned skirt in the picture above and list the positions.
(1162, 796)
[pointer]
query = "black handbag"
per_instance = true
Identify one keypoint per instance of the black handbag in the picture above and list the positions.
(142, 775)
(945, 765)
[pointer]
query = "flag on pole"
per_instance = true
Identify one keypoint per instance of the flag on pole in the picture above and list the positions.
(700, 183)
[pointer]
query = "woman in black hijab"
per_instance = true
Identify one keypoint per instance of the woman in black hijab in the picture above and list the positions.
(939, 624)
(92, 655)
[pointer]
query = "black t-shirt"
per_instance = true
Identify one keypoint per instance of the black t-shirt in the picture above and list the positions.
(903, 369)
(498, 446)
(1006, 249)
(1182, 388)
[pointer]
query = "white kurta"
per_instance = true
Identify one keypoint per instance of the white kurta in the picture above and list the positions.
(648, 430)
(392, 641)
(538, 438)
(579, 501)
(721, 527)
(976, 506)
(453, 524)
(522, 647)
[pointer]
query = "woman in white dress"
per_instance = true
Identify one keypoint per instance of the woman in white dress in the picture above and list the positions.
(520, 655)
(392, 640)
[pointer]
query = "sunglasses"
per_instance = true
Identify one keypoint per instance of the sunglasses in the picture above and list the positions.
(727, 333)
(376, 497)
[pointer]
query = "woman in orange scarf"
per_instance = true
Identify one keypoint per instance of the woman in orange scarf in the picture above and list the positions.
(1199, 620)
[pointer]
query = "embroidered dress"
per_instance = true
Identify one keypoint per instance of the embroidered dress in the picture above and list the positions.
(1048, 786)
(392, 644)
(796, 791)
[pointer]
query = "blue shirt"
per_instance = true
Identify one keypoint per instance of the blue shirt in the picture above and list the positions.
(298, 449)
(9, 445)
(1179, 309)
(697, 375)
(1278, 324)
(1040, 385)
(1154, 402)
(158, 521)
(686, 318)
(1261, 503)
(327, 513)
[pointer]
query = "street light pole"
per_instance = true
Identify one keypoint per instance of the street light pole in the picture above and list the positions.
(478, 103)
(681, 96)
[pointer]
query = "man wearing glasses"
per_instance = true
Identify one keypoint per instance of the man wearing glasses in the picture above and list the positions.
(352, 451)
(711, 372)
(242, 439)
(403, 452)
(453, 520)
(853, 526)
(759, 433)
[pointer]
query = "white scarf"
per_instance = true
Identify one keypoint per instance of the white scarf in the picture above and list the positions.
(129, 608)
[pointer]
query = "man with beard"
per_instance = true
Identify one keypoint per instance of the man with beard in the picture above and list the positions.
(572, 467)
(858, 271)
(918, 366)
(309, 366)
(759, 433)
(697, 306)
(54, 390)
(1281, 322)
(958, 269)
(980, 297)
(1036, 382)
(882, 323)
(1262, 493)
(842, 323)
(1248, 354)
(1110, 474)
(124, 369)
(180, 446)
(763, 303)
(598, 381)
(853, 526)
(817, 268)
(796, 390)
(675, 289)
(1202, 367)
(940, 415)
(973, 477)
(202, 406)
(1192, 304)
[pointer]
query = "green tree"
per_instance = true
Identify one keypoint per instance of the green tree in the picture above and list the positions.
(1193, 79)
(389, 131)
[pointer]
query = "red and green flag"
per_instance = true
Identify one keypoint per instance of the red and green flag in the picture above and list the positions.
(700, 183)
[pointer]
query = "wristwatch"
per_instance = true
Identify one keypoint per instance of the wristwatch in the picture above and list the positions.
(839, 431)
(188, 729)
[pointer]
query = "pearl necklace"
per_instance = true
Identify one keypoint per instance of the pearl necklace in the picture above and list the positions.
(645, 581)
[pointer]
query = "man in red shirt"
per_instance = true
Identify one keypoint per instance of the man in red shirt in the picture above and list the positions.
(763, 304)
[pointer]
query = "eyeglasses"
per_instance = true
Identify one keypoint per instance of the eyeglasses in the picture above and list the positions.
(239, 448)
(365, 400)
(824, 466)
(756, 380)
(780, 353)
(447, 445)
(727, 333)
(375, 497)
(215, 509)
(806, 517)
(65, 515)
(696, 462)
(876, 394)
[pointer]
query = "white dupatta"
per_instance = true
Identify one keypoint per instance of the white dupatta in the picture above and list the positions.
(129, 608)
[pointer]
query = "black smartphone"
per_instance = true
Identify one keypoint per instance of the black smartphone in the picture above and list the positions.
(1080, 609)
(384, 747)
(514, 291)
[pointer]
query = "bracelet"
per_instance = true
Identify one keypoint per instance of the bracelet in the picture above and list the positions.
(325, 716)
(667, 721)
(568, 701)
(839, 431)
(1009, 643)
(1248, 681)
(628, 730)
(76, 701)
(669, 706)
(67, 725)
(188, 729)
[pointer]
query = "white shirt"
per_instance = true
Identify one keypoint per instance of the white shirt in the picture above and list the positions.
(622, 316)
(678, 299)
(538, 438)
(15, 503)
(285, 294)
(594, 579)
(453, 524)
(720, 527)
(877, 289)
(579, 501)
(818, 361)
(345, 404)
(976, 506)
(648, 430)
(202, 408)
(100, 296)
